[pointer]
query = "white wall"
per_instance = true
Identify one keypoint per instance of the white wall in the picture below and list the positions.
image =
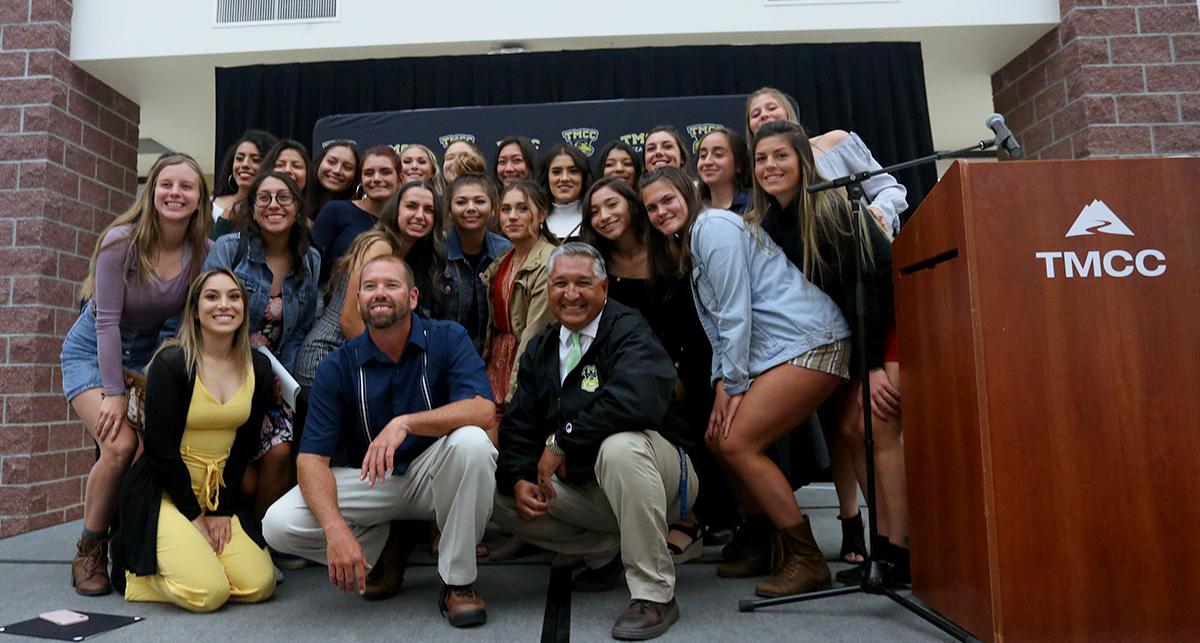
(107, 29)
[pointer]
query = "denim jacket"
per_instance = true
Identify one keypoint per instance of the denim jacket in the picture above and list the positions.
(757, 308)
(299, 304)
(458, 274)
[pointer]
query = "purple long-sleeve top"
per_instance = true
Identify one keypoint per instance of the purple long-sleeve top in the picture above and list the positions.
(122, 301)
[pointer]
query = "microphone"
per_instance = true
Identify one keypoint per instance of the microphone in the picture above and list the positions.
(1004, 136)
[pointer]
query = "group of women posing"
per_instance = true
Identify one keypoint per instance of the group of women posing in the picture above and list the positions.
(759, 337)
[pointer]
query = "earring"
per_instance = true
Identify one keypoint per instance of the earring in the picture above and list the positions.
(359, 193)
(232, 183)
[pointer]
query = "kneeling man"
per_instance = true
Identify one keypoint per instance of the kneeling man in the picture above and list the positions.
(589, 450)
(405, 401)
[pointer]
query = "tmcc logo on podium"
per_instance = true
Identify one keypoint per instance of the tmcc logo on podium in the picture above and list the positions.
(1097, 218)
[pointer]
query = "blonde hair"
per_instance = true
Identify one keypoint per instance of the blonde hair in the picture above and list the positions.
(783, 99)
(823, 216)
(191, 341)
(358, 248)
(146, 235)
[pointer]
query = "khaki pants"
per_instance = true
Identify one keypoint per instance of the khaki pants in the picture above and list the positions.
(626, 513)
(451, 482)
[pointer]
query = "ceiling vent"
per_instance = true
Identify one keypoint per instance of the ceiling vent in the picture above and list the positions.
(253, 12)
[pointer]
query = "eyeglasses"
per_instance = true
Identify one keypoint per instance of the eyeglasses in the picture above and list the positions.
(284, 199)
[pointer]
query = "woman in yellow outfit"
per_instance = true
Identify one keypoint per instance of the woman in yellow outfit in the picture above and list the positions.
(184, 538)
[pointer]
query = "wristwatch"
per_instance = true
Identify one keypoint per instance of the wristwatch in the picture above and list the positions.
(553, 446)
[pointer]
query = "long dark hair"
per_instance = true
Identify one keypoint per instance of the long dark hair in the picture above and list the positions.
(528, 150)
(685, 150)
(298, 239)
(618, 144)
(638, 221)
(263, 140)
(741, 161)
(310, 171)
(427, 256)
(320, 195)
(578, 158)
(670, 258)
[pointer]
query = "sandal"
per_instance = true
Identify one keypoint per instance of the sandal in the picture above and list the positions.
(854, 542)
(695, 547)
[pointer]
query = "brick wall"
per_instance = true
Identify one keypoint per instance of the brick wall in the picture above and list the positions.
(1115, 78)
(68, 159)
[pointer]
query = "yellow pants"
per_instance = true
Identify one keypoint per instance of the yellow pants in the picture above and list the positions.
(192, 575)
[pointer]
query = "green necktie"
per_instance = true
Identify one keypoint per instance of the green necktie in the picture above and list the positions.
(575, 354)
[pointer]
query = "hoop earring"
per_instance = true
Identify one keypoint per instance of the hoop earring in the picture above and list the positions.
(232, 183)
(359, 193)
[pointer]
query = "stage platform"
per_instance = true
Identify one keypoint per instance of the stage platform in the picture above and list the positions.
(35, 569)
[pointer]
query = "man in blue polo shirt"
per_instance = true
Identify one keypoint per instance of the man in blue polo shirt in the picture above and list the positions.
(404, 401)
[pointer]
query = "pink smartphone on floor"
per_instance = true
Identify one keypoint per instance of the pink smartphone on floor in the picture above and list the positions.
(63, 617)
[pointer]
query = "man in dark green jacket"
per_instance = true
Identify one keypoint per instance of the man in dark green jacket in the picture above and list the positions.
(591, 462)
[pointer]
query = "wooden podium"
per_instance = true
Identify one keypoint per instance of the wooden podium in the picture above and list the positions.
(1049, 325)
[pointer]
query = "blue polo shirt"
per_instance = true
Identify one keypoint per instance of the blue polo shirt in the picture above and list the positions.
(358, 389)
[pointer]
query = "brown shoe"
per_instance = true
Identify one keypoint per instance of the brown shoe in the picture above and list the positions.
(462, 605)
(387, 575)
(755, 555)
(89, 570)
(802, 566)
(645, 620)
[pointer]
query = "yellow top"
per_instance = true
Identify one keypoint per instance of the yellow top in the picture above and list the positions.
(209, 435)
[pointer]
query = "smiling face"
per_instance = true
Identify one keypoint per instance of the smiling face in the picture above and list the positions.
(416, 213)
(610, 216)
(176, 193)
(220, 309)
(519, 216)
(665, 206)
(292, 164)
(662, 150)
(470, 209)
(384, 295)
(511, 165)
(715, 161)
(575, 293)
(620, 164)
(379, 179)
(247, 158)
(777, 168)
(273, 217)
(566, 181)
(764, 108)
(336, 172)
(415, 165)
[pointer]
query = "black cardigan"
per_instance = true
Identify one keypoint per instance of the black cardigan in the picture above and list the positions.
(160, 468)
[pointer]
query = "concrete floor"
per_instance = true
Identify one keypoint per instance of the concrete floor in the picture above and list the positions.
(34, 578)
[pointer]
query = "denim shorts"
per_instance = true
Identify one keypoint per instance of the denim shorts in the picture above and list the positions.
(80, 363)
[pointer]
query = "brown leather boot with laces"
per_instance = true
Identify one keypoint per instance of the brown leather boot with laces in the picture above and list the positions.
(754, 556)
(802, 567)
(89, 570)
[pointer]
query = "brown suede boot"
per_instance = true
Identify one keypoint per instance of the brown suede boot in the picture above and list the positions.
(755, 556)
(89, 570)
(802, 567)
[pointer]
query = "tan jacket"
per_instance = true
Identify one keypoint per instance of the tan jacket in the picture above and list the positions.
(529, 306)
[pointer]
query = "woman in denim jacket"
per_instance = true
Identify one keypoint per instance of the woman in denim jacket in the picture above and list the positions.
(471, 248)
(780, 348)
(273, 259)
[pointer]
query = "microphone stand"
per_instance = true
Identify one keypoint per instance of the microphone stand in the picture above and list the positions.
(874, 579)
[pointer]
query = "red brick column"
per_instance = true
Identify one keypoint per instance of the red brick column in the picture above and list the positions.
(1115, 78)
(68, 164)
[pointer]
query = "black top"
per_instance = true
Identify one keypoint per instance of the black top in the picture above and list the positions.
(161, 469)
(336, 226)
(622, 383)
(837, 278)
(672, 316)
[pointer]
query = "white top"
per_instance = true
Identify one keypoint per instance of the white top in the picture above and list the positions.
(565, 219)
(217, 210)
(586, 335)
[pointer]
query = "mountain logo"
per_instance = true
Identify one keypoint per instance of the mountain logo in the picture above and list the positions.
(1097, 217)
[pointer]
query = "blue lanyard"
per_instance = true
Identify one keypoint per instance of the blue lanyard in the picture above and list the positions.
(683, 484)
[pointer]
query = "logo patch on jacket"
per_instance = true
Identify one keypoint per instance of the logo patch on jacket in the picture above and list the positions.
(591, 380)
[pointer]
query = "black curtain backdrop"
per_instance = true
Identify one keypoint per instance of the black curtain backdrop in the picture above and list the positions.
(874, 89)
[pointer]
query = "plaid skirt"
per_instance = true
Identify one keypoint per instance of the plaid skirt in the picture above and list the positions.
(832, 358)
